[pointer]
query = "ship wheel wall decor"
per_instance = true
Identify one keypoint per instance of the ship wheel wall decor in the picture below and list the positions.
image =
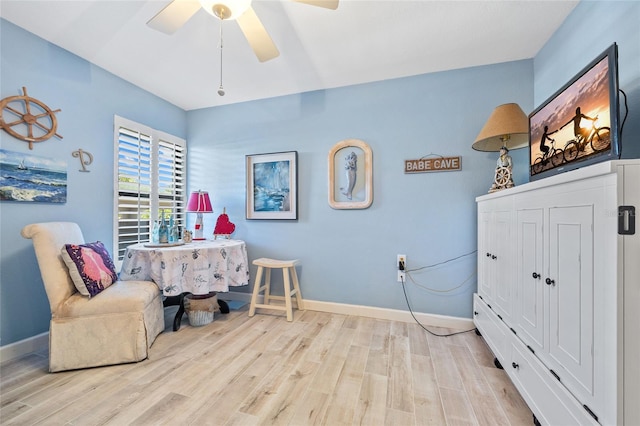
(28, 119)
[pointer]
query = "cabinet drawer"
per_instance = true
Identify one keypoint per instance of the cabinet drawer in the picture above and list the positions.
(493, 330)
(551, 403)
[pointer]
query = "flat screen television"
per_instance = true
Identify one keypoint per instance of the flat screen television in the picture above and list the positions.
(578, 125)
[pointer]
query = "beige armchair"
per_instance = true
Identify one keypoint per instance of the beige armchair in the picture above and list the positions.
(116, 326)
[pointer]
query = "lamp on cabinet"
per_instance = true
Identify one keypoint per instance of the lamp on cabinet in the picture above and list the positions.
(507, 128)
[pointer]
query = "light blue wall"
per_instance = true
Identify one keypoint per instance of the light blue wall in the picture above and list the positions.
(88, 97)
(591, 28)
(348, 256)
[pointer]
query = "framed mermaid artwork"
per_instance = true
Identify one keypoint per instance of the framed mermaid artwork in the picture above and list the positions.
(350, 175)
(272, 186)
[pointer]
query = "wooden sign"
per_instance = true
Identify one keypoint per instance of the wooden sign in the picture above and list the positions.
(433, 164)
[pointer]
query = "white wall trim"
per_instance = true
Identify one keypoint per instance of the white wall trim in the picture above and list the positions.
(23, 347)
(433, 320)
(41, 341)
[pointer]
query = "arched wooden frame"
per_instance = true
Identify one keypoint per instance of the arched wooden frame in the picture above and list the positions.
(362, 194)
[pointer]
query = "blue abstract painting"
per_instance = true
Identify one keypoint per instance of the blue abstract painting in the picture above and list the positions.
(271, 191)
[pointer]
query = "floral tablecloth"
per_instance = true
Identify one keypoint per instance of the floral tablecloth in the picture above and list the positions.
(199, 267)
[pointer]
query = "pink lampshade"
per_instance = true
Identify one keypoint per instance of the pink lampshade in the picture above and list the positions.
(199, 202)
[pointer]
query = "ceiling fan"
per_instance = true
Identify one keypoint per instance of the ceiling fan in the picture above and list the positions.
(178, 12)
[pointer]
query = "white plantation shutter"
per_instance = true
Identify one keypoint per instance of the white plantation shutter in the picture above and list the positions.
(150, 171)
(134, 189)
(171, 180)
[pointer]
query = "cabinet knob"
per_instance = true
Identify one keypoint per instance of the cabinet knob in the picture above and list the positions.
(514, 365)
(493, 256)
(536, 275)
(488, 254)
(475, 312)
(549, 281)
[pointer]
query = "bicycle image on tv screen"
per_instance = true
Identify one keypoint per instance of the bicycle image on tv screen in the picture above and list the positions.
(574, 124)
(596, 139)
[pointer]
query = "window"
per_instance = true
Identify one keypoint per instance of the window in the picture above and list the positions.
(150, 172)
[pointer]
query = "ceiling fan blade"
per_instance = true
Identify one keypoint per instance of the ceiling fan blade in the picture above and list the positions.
(327, 4)
(257, 36)
(174, 16)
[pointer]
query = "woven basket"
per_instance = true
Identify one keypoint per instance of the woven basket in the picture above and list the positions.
(200, 318)
(200, 309)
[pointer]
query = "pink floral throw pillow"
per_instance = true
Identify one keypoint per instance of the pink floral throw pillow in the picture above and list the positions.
(90, 267)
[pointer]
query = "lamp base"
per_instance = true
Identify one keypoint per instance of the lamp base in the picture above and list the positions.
(502, 179)
(199, 231)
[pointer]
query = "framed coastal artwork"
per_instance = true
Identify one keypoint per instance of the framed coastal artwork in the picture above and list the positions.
(350, 175)
(272, 186)
(31, 178)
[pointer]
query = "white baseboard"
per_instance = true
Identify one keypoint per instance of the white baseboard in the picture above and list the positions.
(433, 320)
(41, 341)
(14, 350)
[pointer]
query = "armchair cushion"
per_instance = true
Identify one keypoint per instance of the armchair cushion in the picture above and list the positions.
(122, 297)
(90, 267)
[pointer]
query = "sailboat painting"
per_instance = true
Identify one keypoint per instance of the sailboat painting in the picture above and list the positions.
(272, 186)
(26, 177)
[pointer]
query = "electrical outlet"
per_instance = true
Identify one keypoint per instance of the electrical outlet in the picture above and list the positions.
(401, 266)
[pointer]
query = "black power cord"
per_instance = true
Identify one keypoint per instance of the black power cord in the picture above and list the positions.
(626, 113)
(425, 328)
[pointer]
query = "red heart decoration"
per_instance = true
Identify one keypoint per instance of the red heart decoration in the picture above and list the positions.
(223, 226)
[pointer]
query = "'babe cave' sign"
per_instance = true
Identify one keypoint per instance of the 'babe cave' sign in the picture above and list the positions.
(434, 164)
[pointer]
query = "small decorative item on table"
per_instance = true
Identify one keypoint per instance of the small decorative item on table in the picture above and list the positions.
(163, 231)
(224, 228)
(155, 233)
(187, 237)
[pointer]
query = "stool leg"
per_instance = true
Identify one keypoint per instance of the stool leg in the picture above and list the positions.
(256, 290)
(296, 286)
(287, 293)
(267, 286)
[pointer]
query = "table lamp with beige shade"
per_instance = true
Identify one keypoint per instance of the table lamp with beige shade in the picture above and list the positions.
(507, 128)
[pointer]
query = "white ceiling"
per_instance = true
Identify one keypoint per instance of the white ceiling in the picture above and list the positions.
(361, 41)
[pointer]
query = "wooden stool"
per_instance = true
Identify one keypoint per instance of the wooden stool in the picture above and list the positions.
(288, 266)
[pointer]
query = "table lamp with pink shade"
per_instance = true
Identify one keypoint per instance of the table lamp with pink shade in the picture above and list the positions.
(199, 203)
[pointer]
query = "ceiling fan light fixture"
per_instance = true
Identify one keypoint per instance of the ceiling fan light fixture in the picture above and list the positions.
(226, 9)
(178, 12)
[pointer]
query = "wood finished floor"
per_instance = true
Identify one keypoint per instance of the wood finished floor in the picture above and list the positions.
(322, 368)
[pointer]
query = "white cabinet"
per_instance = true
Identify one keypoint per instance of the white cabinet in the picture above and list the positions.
(557, 319)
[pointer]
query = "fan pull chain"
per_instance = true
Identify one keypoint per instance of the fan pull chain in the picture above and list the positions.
(221, 89)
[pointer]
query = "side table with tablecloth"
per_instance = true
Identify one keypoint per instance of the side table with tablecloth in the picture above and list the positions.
(199, 267)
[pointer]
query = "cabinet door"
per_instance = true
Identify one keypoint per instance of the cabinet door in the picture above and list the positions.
(529, 278)
(495, 244)
(484, 256)
(571, 288)
(502, 246)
